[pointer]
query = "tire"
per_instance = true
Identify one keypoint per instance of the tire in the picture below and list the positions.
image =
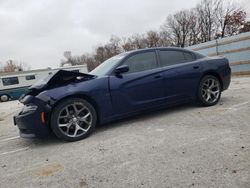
(4, 98)
(73, 119)
(209, 91)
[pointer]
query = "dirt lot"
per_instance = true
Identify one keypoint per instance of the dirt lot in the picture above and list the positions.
(185, 146)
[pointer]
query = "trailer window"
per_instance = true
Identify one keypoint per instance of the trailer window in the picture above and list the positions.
(75, 70)
(10, 81)
(30, 77)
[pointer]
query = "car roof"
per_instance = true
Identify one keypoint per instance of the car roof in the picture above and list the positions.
(159, 48)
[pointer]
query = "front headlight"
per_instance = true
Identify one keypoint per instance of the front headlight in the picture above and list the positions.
(28, 108)
(43, 97)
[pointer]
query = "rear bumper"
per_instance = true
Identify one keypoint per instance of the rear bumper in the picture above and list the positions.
(30, 121)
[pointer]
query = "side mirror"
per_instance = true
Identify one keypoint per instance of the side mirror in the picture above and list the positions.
(121, 69)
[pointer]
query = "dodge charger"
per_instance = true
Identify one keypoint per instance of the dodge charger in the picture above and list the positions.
(71, 104)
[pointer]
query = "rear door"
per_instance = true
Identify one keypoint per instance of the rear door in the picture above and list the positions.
(141, 87)
(181, 74)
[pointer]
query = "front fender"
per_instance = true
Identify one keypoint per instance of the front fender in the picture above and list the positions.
(97, 90)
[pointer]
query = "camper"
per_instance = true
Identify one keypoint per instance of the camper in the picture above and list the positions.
(14, 84)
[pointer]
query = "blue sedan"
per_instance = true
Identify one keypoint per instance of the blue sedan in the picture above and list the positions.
(70, 104)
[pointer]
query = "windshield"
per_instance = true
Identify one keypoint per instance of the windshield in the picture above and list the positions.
(107, 65)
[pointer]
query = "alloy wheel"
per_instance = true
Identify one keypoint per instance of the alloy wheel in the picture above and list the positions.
(74, 120)
(210, 90)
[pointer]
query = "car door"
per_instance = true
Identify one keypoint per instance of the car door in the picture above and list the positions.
(141, 87)
(181, 74)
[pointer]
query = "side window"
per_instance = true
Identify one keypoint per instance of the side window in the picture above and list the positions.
(188, 56)
(30, 77)
(172, 57)
(141, 62)
(10, 81)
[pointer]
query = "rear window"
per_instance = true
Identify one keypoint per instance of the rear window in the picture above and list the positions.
(172, 57)
(10, 81)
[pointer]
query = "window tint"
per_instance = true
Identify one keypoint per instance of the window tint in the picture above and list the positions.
(188, 56)
(141, 62)
(107, 65)
(30, 77)
(171, 57)
(10, 81)
(199, 56)
(75, 70)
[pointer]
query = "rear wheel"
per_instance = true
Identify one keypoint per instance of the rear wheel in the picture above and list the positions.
(209, 91)
(73, 119)
(4, 98)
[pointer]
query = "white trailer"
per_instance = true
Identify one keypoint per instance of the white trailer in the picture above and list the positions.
(14, 84)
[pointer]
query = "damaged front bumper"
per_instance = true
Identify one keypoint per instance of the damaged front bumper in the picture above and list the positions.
(31, 120)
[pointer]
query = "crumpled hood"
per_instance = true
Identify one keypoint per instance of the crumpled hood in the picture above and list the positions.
(59, 78)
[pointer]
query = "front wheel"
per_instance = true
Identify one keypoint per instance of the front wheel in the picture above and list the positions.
(73, 119)
(209, 91)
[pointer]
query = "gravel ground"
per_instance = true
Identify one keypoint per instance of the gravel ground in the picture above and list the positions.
(184, 146)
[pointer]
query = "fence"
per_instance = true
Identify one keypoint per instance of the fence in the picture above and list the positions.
(235, 48)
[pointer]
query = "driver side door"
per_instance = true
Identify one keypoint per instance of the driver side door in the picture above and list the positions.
(139, 88)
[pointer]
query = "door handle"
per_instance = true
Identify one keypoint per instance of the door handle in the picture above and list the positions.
(158, 76)
(196, 66)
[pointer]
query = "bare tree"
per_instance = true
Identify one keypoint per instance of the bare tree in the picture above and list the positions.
(245, 28)
(104, 52)
(230, 19)
(172, 29)
(236, 22)
(1, 66)
(14, 66)
(178, 27)
(194, 34)
(89, 61)
(153, 39)
(208, 20)
(72, 60)
(207, 11)
(68, 58)
(165, 39)
(127, 44)
(114, 45)
(139, 41)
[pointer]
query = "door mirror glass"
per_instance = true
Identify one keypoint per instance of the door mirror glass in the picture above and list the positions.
(121, 69)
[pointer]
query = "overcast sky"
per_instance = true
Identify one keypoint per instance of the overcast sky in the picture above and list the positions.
(37, 32)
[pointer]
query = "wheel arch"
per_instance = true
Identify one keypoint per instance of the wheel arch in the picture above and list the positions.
(208, 73)
(215, 74)
(82, 96)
